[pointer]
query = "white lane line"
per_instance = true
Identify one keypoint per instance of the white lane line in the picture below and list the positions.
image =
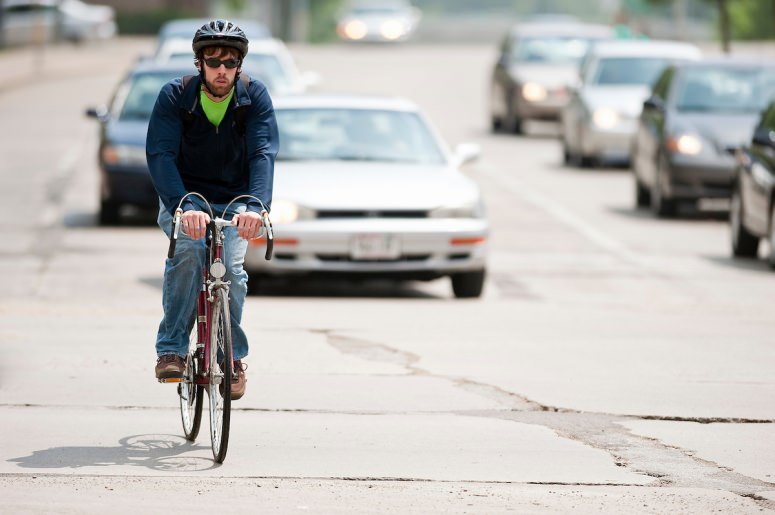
(565, 216)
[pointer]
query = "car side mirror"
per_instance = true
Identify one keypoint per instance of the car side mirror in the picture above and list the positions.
(100, 113)
(764, 137)
(654, 103)
(466, 152)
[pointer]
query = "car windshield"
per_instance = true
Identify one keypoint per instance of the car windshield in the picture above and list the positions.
(141, 95)
(730, 89)
(355, 135)
(628, 71)
(551, 50)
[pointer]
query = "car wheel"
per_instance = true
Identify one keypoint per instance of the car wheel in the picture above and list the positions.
(567, 155)
(514, 121)
(255, 282)
(496, 124)
(642, 194)
(661, 205)
(109, 212)
(744, 244)
(771, 255)
(588, 161)
(467, 285)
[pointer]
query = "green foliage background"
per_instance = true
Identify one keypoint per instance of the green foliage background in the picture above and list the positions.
(752, 19)
(322, 19)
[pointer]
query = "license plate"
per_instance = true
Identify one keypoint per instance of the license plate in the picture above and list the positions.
(375, 246)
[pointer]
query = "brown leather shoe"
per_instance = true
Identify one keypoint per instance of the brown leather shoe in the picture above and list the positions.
(170, 366)
(238, 380)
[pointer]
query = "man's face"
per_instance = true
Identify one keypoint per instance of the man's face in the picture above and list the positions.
(219, 79)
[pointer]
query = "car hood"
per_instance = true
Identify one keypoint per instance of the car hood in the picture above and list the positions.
(368, 185)
(725, 130)
(126, 132)
(627, 100)
(545, 74)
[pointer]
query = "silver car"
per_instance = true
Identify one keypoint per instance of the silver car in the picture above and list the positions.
(364, 186)
(601, 118)
(27, 22)
(538, 62)
(379, 21)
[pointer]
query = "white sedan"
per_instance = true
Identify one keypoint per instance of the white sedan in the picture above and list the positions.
(364, 186)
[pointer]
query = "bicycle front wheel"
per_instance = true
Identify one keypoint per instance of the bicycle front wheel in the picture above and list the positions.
(220, 375)
(190, 393)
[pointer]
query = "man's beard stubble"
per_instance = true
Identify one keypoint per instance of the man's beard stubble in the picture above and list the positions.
(216, 90)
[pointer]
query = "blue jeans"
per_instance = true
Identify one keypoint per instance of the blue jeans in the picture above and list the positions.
(183, 281)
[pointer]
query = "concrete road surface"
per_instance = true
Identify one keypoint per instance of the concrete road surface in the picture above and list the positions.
(615, 363)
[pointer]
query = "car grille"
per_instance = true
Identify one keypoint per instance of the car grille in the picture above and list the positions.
(373, 213)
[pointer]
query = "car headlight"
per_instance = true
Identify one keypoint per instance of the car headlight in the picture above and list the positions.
(474, 210)
(392, 29)
(127, 155)
(533, 92)
(605, 118)
(355, 30)
(688, 144)
(285, 212)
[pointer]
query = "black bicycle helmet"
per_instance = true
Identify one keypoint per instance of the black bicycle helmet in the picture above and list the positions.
(220, 33)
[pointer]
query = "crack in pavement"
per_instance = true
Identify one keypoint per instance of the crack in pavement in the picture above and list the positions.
(669, 465)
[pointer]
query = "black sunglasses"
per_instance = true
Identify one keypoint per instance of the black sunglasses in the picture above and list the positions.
(212, 62)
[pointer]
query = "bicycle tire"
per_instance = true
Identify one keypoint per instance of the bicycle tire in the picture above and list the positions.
(220, 375)
(190, 393)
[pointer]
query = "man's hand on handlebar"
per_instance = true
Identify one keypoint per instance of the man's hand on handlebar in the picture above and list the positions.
(248, 224)
(195, 223)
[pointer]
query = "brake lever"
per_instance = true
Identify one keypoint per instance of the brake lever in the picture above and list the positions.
(174, 233)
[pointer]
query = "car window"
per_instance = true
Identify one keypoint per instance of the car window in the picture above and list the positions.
(355, 135)
(725, 89)
(628, 71)
(141, 94)
(550, 50)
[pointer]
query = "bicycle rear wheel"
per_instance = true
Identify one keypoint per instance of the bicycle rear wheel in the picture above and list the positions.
(220, 375)
(190, 393)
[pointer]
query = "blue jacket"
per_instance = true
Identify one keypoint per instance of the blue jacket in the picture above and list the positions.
(219, 163)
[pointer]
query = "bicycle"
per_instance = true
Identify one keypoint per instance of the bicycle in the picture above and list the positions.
(210, 341)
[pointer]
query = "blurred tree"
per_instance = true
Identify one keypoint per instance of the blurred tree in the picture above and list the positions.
(725, 28)
(323, 16)
(752, 19)
(236, 6)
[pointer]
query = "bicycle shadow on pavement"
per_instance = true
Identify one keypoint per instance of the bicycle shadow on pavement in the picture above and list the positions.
(165, 453)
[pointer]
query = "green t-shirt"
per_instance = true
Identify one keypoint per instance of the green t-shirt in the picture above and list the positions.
(215, 111)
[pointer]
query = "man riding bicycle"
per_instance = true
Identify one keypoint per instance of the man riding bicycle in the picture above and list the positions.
(198, 140)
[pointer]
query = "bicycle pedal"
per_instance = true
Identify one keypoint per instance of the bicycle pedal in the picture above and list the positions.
(170, 379)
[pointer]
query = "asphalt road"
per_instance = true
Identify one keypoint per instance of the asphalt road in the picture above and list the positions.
(615, 363)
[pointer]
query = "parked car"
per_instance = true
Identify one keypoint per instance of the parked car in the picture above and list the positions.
(538, 63)
(698, 114)
(383, 21)
(600, 119)
(26, 22)
(752, 210)
(268, 60)
(124, 176)
(185, 28)
(365, 187)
